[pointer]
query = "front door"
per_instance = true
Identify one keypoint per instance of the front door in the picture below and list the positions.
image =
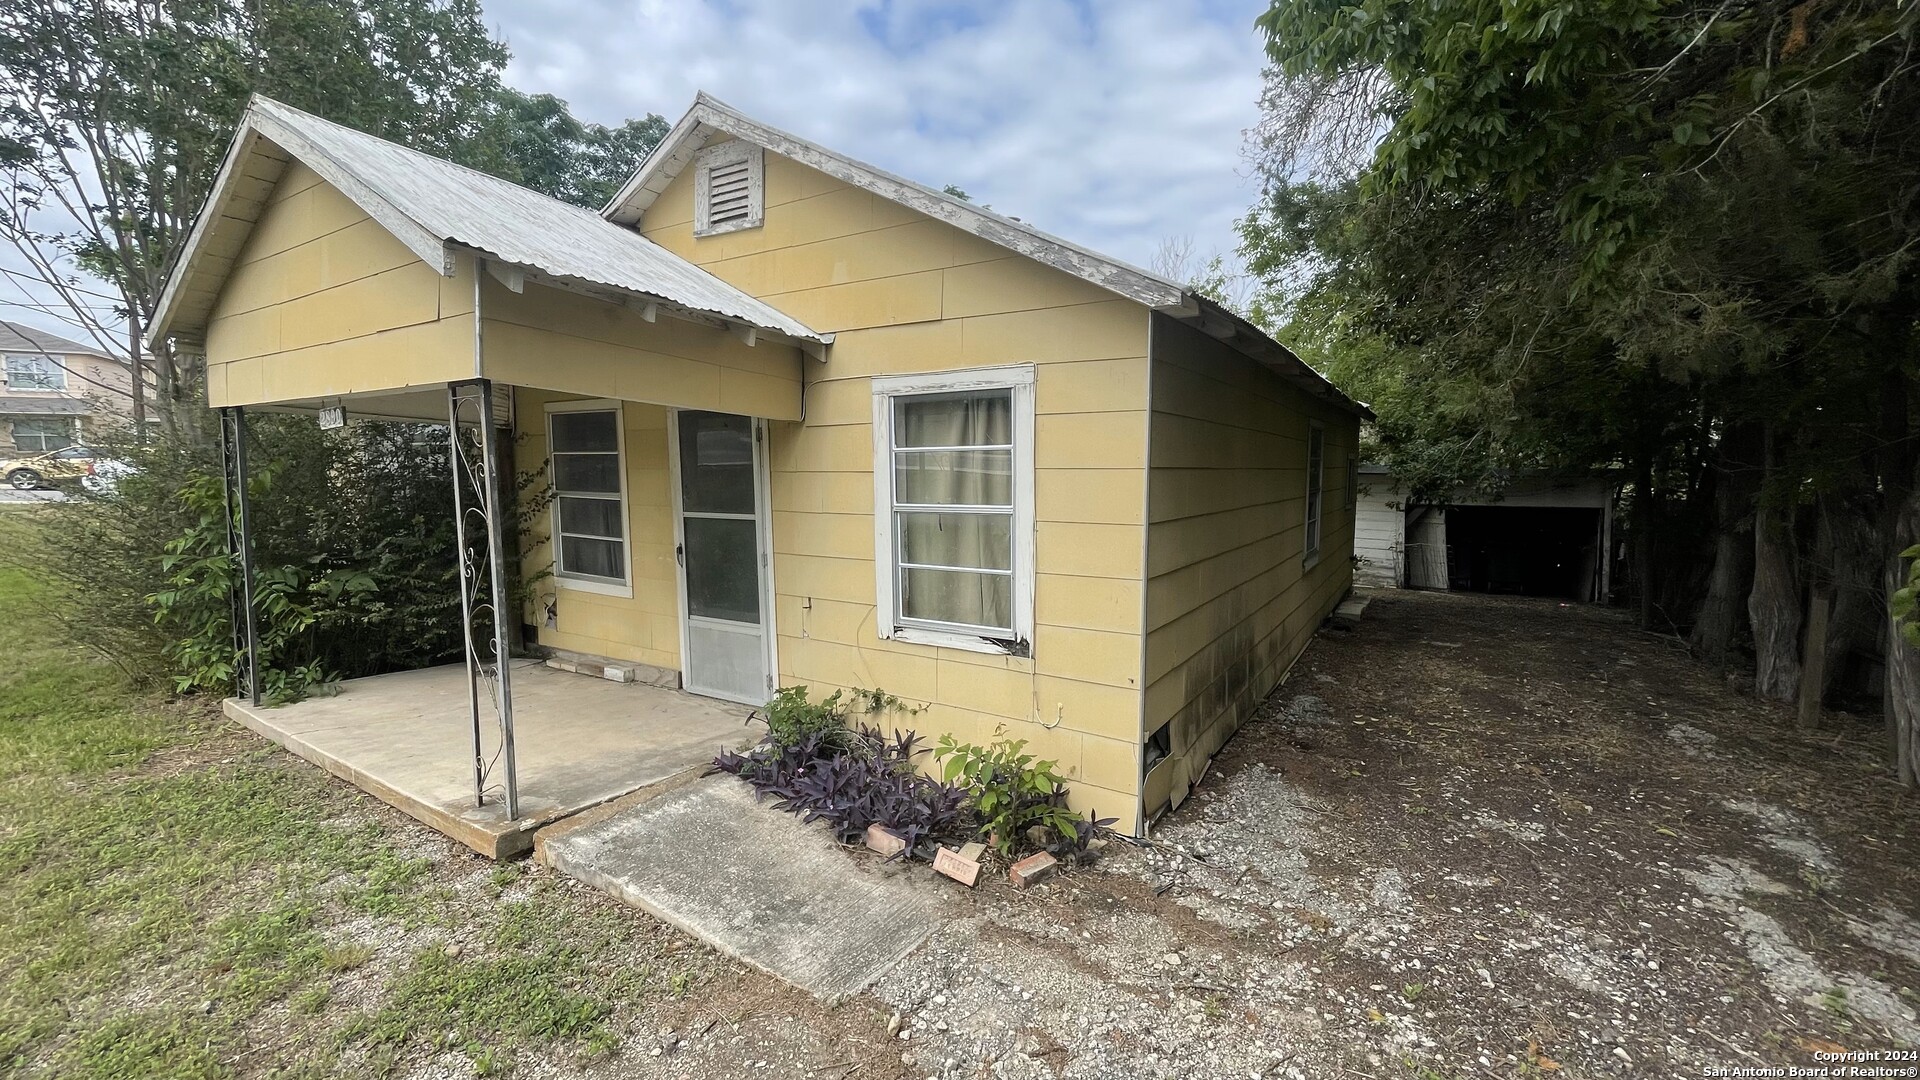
(720, 530)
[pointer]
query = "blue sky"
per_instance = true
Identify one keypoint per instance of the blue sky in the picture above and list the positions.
(1113, 124)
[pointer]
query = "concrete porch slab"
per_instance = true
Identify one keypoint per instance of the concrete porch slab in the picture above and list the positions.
(753, 882)
(406, 738)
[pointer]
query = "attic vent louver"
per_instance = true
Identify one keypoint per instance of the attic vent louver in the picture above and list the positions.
(728, 188)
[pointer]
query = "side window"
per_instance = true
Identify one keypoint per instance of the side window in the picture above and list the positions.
(728, 188)
(953, 459)
(589, 486)
(1316, 488)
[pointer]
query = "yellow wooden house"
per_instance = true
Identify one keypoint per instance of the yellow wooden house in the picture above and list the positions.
(804, 423)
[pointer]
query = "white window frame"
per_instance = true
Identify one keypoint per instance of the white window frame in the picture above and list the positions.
(1315, 508)
(72, 436)
(728, 153)
(589, 582)
(1018, 378)
(46, 365)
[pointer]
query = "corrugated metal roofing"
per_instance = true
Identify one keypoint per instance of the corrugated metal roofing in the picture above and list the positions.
(517, 225)
(432, 205)
(18, 338)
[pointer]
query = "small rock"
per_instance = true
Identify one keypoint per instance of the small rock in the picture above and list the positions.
(1621, 1053)
(893, 1025)
(453, 950)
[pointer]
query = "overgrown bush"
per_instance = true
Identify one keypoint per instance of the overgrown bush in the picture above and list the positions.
(353, 556)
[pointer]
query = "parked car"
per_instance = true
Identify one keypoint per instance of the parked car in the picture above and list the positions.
(65, 467)
(105, 476)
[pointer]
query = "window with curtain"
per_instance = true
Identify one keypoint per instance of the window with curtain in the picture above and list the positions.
(1316, 487)
(956, 482)
(589, 505)
(35, 373)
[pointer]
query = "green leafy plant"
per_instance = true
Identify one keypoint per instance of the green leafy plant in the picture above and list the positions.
(1906, 599)
(792, 719)
(195, 608)
(1013, 792)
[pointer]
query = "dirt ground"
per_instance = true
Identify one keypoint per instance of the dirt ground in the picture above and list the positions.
(1474, 837)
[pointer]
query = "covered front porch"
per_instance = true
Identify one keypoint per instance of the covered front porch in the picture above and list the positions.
(581, 741)
(621, 390)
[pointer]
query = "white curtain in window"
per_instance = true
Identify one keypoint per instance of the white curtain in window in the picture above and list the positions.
(955, 450)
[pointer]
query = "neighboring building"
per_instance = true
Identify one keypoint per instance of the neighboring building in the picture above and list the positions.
(1543, 536)
(808, 423)
(55, 392)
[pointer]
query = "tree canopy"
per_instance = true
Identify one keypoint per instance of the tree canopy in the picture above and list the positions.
(114, 117)
(1676, 240)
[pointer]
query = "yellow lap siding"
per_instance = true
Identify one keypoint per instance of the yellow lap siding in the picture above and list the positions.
(646, 626)
(907, 294)
(1230, 601)
(322, 302)
(578, 344)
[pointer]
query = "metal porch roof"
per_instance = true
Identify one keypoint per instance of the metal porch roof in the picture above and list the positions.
(435, 206)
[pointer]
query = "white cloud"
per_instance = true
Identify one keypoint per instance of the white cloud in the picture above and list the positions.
(1112, 124)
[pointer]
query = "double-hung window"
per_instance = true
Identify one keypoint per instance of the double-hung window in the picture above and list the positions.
(953, 500)
(1316, 489)
(35, 373)
(589, 495)
(38, 434)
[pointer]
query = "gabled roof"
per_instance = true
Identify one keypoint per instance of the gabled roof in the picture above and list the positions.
(709, 116)
(20, 338)
(437, 209)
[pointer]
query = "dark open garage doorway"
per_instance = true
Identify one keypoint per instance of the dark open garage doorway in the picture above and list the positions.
(1525, 550)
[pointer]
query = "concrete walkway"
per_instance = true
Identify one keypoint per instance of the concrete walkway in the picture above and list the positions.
(406, 738)
(753, 882)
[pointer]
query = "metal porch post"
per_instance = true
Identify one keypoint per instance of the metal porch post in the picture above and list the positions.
(483, 589)
(246, 629)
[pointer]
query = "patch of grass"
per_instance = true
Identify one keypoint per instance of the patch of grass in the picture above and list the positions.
(527, 984)
(341, 958)
(170, 891)
(505, 874)
(313, 998)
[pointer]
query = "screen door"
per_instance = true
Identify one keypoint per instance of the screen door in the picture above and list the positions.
(722, 556)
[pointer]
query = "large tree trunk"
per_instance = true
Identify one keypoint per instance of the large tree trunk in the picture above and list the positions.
(1850, 527)
(1718, 623)
(1903, 659)
(1774, 604)
(1640, 523)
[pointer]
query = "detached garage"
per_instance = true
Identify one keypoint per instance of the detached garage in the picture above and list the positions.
(1545, 536)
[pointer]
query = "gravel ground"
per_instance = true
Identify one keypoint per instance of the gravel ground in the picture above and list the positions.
(1474, 837)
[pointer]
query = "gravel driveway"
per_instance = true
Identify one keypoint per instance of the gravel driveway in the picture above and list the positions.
(1474, 837)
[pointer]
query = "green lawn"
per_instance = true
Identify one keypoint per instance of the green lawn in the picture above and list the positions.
(179, 899)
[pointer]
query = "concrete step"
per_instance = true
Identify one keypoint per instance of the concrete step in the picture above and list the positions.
(753, 882)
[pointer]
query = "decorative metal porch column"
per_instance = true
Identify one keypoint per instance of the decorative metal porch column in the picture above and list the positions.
(246, 629)
(483, 577)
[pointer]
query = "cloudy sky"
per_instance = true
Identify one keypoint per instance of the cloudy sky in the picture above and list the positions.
(1113, 123)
